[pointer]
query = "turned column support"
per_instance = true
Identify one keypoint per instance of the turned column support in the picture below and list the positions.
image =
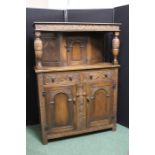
(115, 47)
(38, 47)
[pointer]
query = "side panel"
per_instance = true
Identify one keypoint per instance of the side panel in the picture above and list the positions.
(42, 108)
(51, 49)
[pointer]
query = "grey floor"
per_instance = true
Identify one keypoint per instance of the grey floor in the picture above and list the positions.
(100, 143)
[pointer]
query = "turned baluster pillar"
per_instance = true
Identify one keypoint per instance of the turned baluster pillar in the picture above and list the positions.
(115, 47)
(38, 47)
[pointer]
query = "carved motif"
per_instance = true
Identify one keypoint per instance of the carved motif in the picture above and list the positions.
(81, 109)
(105, 89)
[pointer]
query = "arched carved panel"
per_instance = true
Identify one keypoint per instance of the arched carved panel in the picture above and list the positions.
(99, 104)
(61, 112)
(99, 107)
(60, 108)
(76, 48)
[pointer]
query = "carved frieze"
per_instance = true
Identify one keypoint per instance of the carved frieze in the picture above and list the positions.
(76, 27)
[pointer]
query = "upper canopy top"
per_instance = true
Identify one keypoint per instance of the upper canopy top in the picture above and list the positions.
(75, 26)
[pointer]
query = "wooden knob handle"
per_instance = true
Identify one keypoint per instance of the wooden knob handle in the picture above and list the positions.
(53, 79)
(91, 77)
(70, 78)
(106, 75)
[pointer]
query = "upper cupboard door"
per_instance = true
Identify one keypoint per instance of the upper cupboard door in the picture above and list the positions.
(60, 108)
(99, 104)
(76, 48)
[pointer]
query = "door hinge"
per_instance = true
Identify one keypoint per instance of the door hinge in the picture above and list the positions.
(43, 93)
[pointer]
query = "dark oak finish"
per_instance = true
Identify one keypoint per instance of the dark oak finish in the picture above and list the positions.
(77, 87)
(60, 108)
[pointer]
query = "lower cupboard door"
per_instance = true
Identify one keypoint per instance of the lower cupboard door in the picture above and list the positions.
(60, 109)
(99, 104)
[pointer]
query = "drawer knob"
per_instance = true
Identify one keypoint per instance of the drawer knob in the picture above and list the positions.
(91, 77)
(53, 80)
(70, 78)
(106, 75)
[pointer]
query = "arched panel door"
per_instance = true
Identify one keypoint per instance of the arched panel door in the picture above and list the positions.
(99, 104)
(60, 109)
(76, 50)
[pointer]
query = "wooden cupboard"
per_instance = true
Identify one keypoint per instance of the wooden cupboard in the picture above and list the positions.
(77, 87)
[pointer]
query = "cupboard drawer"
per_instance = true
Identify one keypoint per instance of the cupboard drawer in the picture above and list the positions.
(61, 78)
(98, 75)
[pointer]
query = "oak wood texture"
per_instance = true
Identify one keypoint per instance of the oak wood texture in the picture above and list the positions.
(77, 88)
(75, 26)
(77, 67)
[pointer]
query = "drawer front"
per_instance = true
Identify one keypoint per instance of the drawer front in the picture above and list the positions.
(61, 78)
(98, 75)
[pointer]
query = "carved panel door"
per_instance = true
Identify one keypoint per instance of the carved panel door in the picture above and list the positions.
(60, 108)
(51, 49)
(76, 50)
(99, 104)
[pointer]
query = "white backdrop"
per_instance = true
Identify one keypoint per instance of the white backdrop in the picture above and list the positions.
(84, 4)
(75, 4)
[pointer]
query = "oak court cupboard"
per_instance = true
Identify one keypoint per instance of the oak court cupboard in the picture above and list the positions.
(77, 87)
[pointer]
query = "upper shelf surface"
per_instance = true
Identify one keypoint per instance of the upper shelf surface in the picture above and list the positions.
(75, 26)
